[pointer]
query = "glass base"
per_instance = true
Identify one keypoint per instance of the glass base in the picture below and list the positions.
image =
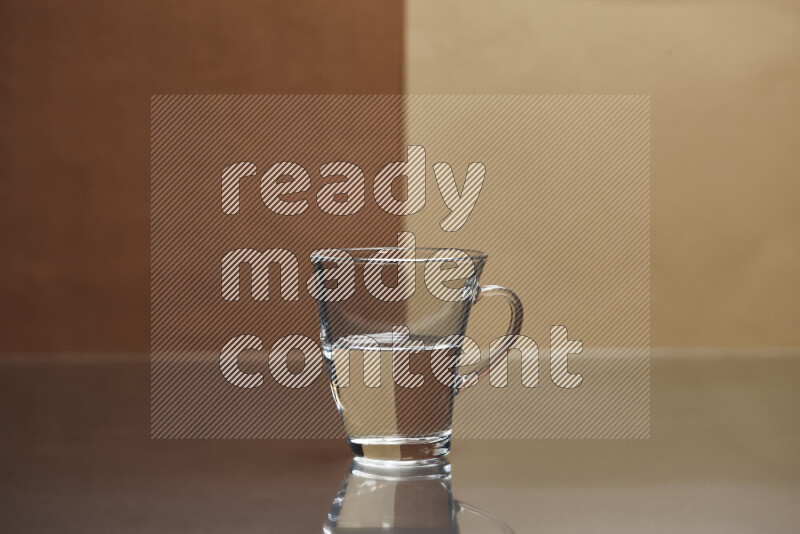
(400, 448)
(400, 470)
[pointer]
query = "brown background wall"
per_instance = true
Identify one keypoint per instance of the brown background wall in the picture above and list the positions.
(76, 79)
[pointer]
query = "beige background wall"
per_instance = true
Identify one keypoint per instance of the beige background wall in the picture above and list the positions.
(723, 79)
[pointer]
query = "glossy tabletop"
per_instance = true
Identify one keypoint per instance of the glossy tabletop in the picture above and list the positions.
(723, 457)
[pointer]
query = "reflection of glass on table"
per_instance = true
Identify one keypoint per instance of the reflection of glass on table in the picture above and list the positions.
(395, 497)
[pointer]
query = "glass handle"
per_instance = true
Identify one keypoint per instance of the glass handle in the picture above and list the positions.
(514, 326)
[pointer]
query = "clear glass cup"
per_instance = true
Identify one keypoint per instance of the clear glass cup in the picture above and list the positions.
(405, 312)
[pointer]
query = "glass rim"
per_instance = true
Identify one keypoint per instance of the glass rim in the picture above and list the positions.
(359, 254)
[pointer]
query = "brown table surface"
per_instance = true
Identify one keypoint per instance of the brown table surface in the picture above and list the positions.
(724, 457)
